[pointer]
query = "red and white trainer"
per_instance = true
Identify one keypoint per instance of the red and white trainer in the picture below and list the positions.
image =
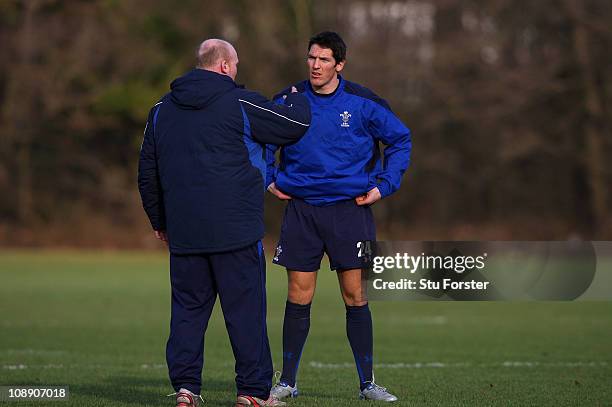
(242, 401)
(185, 398)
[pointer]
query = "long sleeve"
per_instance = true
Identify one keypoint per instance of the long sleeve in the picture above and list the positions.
(388, 128)
(273, 123)
(271, 168)
(148, 176)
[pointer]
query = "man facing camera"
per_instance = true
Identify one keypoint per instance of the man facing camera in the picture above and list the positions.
(330, 178)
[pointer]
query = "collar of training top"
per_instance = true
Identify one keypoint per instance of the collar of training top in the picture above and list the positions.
(327, 95)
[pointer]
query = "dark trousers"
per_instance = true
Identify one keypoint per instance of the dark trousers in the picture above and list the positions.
(239, 277)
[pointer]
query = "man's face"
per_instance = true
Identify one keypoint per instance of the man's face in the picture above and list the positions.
(322, 67)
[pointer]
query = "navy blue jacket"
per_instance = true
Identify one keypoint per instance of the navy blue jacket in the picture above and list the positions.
(339, 157)
(202, 162)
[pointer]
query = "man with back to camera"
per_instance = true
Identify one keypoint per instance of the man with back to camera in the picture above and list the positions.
(201, 179)
(331, 177)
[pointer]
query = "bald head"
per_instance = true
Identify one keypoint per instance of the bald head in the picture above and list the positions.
(218, 56)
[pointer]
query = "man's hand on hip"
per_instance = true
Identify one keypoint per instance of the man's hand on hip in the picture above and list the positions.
(372, 196)
(277, 192)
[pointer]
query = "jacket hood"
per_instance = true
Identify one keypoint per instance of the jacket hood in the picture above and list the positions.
(199, 88)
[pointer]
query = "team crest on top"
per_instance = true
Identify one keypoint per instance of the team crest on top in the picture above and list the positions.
(345, 119)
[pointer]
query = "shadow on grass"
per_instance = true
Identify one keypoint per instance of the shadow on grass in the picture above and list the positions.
(143, 390)
(148, 391)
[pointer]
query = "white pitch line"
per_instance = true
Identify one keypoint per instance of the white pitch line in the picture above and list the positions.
(419, 365)
(345, 365)
(560, 364)
(154, 366)
(22, 367)
(14, 367)
(432, 320)
(29, 351)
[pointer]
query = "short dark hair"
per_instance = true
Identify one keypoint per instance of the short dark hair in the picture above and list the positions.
(331, 40)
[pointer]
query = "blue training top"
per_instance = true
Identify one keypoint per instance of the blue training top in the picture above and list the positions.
(339, 156)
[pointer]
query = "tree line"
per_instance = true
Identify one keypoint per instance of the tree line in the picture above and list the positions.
(508, 102)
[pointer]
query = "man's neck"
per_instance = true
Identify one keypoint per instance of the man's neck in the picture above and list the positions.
(328, 88)
(220, 72)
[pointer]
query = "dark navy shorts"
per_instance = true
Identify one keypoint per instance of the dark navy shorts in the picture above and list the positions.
(310, 231)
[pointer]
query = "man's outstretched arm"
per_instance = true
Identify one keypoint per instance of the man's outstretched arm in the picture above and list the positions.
(273, 123)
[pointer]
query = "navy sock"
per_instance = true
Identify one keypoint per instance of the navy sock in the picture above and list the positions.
(295, 332)
(359, 333)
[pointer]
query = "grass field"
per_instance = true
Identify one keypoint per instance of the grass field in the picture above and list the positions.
(98, 322)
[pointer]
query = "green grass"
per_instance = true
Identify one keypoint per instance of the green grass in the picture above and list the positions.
(98, 322)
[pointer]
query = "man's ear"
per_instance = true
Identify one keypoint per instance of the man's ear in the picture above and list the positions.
(224, 66)
(340, 66)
